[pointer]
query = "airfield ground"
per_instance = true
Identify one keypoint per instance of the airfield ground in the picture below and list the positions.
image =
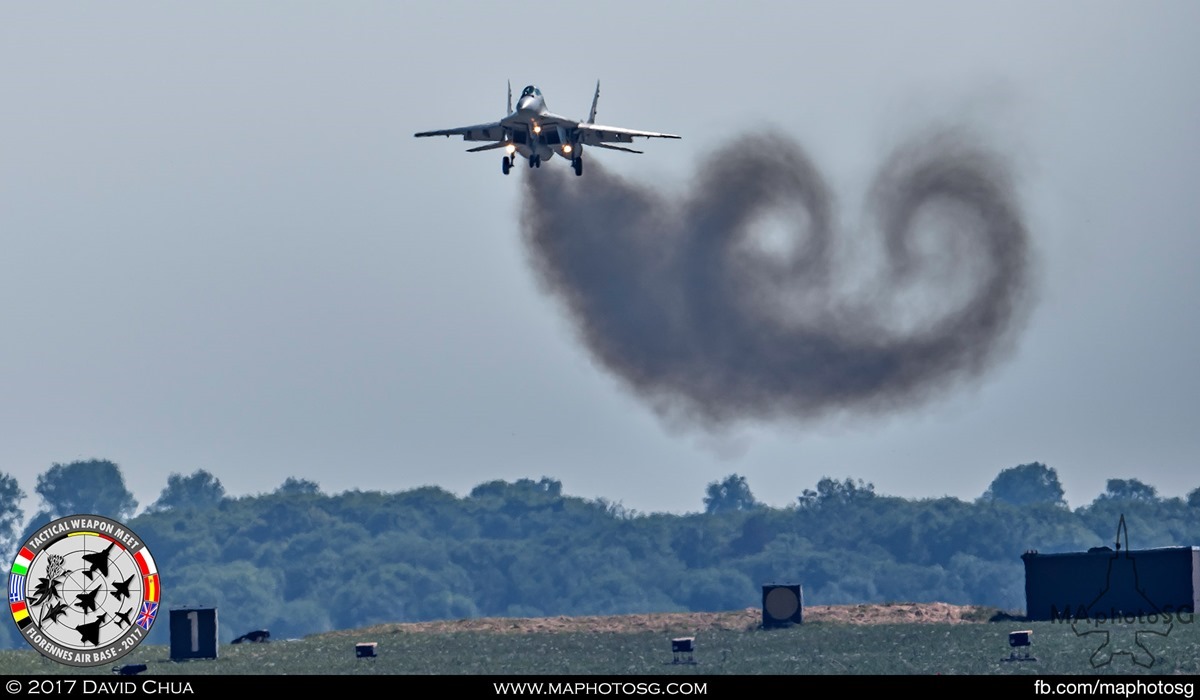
(750, 618)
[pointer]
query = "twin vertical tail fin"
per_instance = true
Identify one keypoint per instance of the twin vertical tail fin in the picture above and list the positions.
(595, 99)
(509, 98)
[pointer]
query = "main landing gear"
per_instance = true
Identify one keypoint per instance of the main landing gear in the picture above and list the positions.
(535, 161)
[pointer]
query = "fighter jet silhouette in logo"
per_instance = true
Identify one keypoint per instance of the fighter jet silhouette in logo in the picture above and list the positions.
(1113, 607)
(87, 600)
(98, 561)
(91, 631)
(122, 616)
(121, 588)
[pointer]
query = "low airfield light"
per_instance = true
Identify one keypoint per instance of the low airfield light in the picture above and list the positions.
(682, 648)
(1020, 639)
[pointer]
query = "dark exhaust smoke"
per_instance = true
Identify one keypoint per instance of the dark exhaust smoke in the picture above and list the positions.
(744, 299)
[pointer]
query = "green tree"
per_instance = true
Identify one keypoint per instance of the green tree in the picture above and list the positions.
(1026, 485)
(714, 589)
(11, 496)
(93, 486)
(831, 491)
(200, 490)
(542, 490)
(298, 487)
(1128, 490)
(731, 494)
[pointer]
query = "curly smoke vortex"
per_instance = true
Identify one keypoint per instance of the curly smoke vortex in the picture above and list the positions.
(685, 301)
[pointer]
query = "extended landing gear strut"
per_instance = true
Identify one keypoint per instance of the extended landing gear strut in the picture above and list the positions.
(506, 164)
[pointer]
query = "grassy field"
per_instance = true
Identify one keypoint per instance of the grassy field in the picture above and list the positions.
(811, 648)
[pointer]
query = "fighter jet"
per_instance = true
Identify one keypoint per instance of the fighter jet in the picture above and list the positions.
(121, 588)
(535, 133)
(122, 618)
(90, 632)
(98, 561)
(87, 600)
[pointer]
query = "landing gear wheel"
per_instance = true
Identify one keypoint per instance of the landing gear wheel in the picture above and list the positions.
(506, 165)
(533, 161)
(577, 163)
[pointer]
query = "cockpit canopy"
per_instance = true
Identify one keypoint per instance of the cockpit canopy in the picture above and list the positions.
(531, 91)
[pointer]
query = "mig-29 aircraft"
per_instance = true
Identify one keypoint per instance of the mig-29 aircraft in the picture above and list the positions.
(535, 133)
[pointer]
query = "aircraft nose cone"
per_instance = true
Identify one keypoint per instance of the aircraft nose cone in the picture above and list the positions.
(525, 103)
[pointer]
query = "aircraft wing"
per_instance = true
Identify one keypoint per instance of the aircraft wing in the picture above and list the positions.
(596, 134)
(479, 132)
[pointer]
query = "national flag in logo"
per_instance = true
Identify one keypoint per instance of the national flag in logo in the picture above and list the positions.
(145, 562)
(146, 617)
(21, 615)
(21, 565)
(16, 588)
(151, 587)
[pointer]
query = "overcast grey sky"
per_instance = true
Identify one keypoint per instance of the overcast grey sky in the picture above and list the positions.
(223, 249)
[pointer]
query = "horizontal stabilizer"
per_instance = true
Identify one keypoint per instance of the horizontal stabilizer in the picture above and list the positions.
(490, 146)
(615, 148)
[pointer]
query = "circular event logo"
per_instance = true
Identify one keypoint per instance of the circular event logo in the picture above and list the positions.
(84, 590)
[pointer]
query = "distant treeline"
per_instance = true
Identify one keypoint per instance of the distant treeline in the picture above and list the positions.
(298, 561)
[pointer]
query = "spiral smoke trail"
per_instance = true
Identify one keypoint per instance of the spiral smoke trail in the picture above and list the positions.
(688, 306)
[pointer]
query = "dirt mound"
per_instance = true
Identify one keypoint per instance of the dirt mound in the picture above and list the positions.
(687, 623)
(888, 613)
